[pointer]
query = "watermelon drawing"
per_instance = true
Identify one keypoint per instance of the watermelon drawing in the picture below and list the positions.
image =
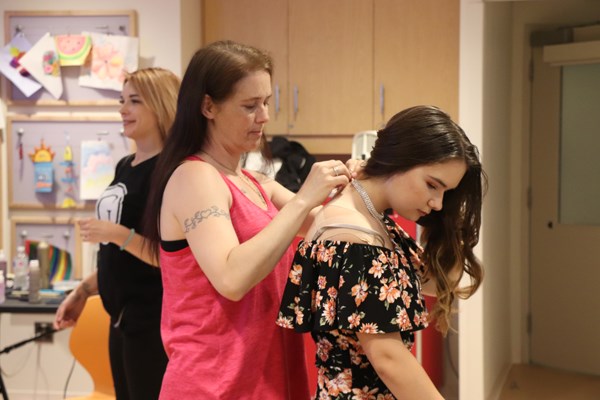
(73, 49)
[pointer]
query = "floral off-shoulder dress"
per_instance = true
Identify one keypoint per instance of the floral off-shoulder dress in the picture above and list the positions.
(336, 289)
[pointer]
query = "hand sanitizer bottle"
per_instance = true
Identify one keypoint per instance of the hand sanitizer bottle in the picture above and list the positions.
(20, 269)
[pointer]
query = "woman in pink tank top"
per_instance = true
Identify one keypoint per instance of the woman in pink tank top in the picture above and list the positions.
(225, 235)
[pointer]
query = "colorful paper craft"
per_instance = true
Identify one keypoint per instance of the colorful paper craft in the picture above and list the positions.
(61, 264)
(112, 56)
(43, 168)
(97, 169)
(42, 63)
(69, 178)
(73, 49)
(11, 67)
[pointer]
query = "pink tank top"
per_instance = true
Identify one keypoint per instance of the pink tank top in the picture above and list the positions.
(221, 349)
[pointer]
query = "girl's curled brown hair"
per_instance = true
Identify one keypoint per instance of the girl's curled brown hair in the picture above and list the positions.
(424, 135)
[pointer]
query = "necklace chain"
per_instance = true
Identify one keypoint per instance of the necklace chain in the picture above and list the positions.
(253, 186)
(367, 200)
(369, 204)
(226, 168)
(240, 175)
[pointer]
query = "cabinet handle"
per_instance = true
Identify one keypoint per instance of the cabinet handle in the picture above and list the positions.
(277, 100)
(295, 101)
(382, 101)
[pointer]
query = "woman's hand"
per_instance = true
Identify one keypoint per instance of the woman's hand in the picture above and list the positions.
(355, 166)
(69, 310)
(324, 178)
(95, 231)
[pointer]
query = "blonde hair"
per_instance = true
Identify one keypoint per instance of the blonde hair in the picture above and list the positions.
(158, 88)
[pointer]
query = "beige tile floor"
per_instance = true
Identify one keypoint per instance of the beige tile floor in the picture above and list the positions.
(530, 382)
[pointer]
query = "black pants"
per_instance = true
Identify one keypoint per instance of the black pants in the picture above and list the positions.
(138, 362)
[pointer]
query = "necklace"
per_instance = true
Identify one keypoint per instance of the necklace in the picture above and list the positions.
(226, 168)
(367, 200)
(371, 208)
(242, 176)
(248, 182)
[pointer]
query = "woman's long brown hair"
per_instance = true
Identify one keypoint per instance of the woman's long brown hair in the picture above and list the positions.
(213, 71)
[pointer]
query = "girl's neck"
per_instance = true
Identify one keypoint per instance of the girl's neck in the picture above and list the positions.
(147, 146)
(375, 193)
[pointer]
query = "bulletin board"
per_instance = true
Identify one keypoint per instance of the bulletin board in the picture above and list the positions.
(35, 24)
(25, 135)
(62, 233)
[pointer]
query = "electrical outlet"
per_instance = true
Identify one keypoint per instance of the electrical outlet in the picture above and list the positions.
(41, 327)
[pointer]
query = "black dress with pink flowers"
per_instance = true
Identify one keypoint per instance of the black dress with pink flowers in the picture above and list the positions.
(336, 289)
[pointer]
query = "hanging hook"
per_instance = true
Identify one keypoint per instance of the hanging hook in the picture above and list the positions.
(105, 28)
(101, 133)
(18, 29)
(20, 133)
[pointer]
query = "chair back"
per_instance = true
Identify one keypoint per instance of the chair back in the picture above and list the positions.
(89, 345)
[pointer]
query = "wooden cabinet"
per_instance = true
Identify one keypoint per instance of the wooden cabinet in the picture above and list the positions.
(330, 66)
(323, 58)
(260, 23)
(416, 56)
(335, 61)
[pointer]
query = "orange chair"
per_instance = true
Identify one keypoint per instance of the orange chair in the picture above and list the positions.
(89, 346)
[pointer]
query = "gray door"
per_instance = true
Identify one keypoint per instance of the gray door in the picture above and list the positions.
(565, 216)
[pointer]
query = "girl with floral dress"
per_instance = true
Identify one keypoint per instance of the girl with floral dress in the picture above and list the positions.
(357, 280)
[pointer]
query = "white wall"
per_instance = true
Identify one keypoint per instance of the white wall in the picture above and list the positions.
(169, 33)
(497, 158)
(494, 110)
(471, 339)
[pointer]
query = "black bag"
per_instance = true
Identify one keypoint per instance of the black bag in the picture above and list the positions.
(295, 162)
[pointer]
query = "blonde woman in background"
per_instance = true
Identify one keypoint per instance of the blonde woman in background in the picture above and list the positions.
(127, 277)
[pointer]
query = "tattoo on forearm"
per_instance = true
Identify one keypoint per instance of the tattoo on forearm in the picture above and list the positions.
(199, 216)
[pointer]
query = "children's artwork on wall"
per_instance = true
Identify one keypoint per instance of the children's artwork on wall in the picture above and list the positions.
(112, 56)
(97, 168)
(73, 50)
(43, 168)
(63, 135)
(13, 70)
(69, 179)
(41, 61)
(66, 29)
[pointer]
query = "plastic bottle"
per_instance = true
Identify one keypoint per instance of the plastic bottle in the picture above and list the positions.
(3, 265)
(20, 269)
(2, 289)
(34, 281)
(42, 256)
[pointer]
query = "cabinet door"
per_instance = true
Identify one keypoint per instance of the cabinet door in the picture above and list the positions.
(416, 55)
(330, 67)
(260, 23)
